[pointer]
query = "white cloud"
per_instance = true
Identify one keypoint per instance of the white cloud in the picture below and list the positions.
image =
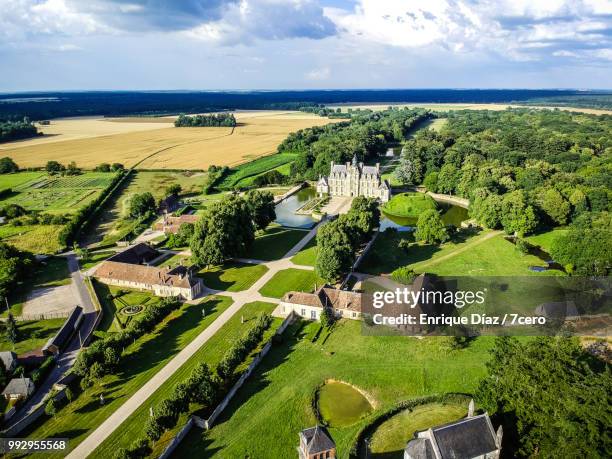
(319, 74)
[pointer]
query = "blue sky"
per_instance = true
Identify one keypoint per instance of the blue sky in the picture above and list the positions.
(304, 44)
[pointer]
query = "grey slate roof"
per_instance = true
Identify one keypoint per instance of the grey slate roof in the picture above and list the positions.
(317, 440)
(419, 448)
(369, 170)
(339, 169)
(470, 437)
(8, 358)
(136, 255)
(17, 386)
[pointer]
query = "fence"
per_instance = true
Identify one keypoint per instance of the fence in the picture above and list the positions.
(42, 316)
(360, 258)
(207, 423)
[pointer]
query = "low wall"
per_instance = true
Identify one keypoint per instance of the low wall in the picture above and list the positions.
(450, 199)
(42, 316)
(208, 423)
(295, 189)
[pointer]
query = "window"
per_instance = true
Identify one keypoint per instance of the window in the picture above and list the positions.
(354, 314)
(313, 314)
(303, 312)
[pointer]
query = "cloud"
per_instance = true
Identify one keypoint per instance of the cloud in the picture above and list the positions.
(319, 74)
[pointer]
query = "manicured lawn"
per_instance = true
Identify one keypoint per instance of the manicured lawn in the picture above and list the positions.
(275, 242)
(211, 353)
(544, 240)
(308, 255)
(32, 335)
(341, 405)
(390, 438)
(409, 204)
(232, 276)
(292, 279)
(95, 258)
(276, 402)
(385, 255)
(140, 362)
(175, 260)
(112, 319)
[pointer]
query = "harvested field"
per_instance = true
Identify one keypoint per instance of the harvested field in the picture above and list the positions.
(150, 146)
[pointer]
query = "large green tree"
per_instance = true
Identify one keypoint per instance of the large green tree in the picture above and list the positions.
(555, 206)
(142, 204)
(261, 205)
(516, 215)
(430, 228)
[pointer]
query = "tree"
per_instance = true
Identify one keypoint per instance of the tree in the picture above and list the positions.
(430, 228)
(104, 167)
(327, 317)
(448, 179)
(15, 265)
(405, 172)
(568, 417)
(182, 237)
(142, 205)
(12, 332)
(51, 406)
(174, 189)
(516, 215)
(53, 167)
(224, 231)
(72, 169)
(431, 182)
(261, 205)
(7, 165)
(117, 167)
(487, 210)
(555, 206)
(202, 386)
(584, 251)
(69, 394)
(365, 214)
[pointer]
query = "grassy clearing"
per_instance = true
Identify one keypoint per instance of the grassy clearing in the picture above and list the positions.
(308, 255)
(243, 175)
(95, 258)
(342, 405)
(32, 335)
(32, 238)
(409, 204)
(544, 240)
(288, 280)
(274, 243)
(141, 361)
(276, 402)
(390, 438)
(232, 276)
(211, 353)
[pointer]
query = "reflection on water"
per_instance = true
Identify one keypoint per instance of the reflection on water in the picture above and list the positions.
(285, 211)
(451, 215)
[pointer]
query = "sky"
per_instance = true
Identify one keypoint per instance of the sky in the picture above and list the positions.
(304, 44)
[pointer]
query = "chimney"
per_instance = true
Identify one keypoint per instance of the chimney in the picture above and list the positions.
(378, 167)
(471, 409)
(499, 435)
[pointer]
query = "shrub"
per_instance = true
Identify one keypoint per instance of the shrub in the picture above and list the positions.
(404, 275)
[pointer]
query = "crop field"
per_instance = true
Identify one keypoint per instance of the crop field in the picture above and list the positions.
(41, 192)
(152, 145)
(33, 238)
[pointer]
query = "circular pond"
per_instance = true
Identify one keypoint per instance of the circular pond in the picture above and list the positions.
(131, 310)
(341, 404)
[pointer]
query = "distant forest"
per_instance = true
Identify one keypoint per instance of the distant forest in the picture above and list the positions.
(40, 106)
(15, 130)
(213, 120)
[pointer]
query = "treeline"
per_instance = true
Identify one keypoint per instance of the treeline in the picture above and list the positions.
(324, 111)
(15, 130)
(203, 387)
(213, 120)
(15, 266)
(523, 171)
(366, 135)
(338, 241)
(552, 398)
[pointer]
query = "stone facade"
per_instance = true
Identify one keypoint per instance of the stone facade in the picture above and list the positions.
(354, 179)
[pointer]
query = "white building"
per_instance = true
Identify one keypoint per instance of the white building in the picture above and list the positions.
(345, 304)
(354, 179)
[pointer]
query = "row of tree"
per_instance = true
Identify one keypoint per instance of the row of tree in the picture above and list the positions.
(339, 240)
(15, 130)
(212, 120)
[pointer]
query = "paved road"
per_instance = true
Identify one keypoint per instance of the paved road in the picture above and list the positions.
(103, 431)
(68, 356)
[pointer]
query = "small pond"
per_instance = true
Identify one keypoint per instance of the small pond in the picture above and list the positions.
(341, 404)
(285, 211)
(451, 215)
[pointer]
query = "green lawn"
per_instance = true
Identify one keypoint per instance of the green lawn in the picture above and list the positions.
(95, 258)
(544, 240)
(276, 402)
(409, 204)
(19, 179)
(176, 260)
(32, 335)
(308, 255)
(385, 255)
(274, 242)
(112, 319)
(390, 438)
(140, 362)
(240, 175)
(232, 276)
(292, 279)
(211, 353)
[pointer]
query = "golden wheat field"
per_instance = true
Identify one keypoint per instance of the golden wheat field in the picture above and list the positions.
(150, 144)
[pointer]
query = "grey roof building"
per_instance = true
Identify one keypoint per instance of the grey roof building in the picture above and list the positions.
(9, 359)
(316, 443)
(470, 438)
(18, 388)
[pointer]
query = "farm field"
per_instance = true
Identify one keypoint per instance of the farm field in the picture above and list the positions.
(232, 276)
(33, 238)
(276, 402)
(54, 194)
(244, 175)
(211, 353)
(154, 147)
(141, 360)
(300, 280)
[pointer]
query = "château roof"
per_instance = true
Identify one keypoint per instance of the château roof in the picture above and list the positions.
(326, 297)
(369, 170)
(470, 437)
(322, 181)
(151, 275)
(339, 169)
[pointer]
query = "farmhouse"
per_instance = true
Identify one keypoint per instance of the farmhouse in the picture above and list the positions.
(310, 305)
(171, 224)
(354, 179)
(470, 438)
(125, 270)
(316, 443)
